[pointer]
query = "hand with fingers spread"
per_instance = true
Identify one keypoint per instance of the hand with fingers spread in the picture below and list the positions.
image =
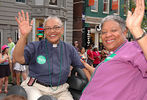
(134, 20)
(133, 23)
(23, 23)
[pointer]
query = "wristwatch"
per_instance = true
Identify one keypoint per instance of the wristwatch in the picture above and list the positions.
(144, 33)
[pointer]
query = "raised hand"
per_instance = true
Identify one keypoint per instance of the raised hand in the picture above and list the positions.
(134, 20)
(23, 23)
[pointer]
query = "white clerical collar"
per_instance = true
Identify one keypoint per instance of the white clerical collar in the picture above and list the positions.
(54, 45)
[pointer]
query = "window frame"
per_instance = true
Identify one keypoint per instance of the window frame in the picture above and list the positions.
(118, 12)
(53, 4)
(95, 4)
(108, 3)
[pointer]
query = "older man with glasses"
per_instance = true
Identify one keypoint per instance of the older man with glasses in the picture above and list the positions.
(49, 60)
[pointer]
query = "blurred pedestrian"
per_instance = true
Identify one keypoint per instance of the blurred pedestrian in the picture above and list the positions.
(76, 44)
(4, 68)
(11, 44)
(96, 56)
(83, 54)
(90, 58)
(19, 70)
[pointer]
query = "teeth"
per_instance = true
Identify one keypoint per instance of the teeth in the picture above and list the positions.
(110, 40)
(52, 35)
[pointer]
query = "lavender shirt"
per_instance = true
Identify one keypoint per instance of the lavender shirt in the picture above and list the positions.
(124, 77)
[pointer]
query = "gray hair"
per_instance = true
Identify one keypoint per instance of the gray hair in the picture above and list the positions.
(118, 19)
(53, 17)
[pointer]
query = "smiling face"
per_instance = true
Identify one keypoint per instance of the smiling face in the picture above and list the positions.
(53, 30)
(112, 35)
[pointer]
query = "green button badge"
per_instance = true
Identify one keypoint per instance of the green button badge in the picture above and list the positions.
(41, 59)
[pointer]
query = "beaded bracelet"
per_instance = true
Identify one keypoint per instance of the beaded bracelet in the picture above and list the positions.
(144, 33)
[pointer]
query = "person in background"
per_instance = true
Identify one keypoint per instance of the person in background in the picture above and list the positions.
(19, 70)
(76, 44)
(4, 68)
(90, 58)
(123, 72)
(103, 54)
(96, 56)
(11, 44)
(83, 54)
(49, 60)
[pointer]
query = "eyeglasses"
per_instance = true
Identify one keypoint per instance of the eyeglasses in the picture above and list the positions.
(55, 28)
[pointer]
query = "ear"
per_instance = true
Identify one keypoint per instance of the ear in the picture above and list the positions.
(125, 32)
(62, 30)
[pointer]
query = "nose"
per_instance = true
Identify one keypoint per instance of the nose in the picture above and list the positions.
(52, 30)
(108, 34)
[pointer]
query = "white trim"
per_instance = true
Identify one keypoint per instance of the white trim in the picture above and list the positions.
(34, 29)
(65, 31)
(92, 20)
(95, 4)
(79, 2)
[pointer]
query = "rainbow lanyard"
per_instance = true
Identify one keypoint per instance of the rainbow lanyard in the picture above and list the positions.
(48, 61)
(110, 56)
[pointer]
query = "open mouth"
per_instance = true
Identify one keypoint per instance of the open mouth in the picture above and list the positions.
(109, 41)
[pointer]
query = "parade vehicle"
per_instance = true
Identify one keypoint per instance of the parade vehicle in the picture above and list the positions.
(77, 82)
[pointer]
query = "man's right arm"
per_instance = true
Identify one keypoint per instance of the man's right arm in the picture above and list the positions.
(18, 53)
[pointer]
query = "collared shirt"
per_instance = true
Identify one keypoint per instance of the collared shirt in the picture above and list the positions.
(44, 61)
(124, 77)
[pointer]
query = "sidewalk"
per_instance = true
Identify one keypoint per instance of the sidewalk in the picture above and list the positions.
(2, 95)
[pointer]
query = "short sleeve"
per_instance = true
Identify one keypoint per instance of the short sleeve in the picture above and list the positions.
(75, 58)
(29, 53)
(141, 63)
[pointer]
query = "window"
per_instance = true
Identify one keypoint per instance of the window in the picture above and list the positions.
(52, 2)
(39, 2)
(22, 1)
(64, 3)
(17, 35)
(94, 8)
(126, 6)
(115, 6)
(105, 6)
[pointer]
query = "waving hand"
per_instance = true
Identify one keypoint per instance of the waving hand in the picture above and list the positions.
(23, 23)
(134, 20)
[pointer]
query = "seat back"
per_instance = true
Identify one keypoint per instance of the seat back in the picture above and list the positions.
(77, 82)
